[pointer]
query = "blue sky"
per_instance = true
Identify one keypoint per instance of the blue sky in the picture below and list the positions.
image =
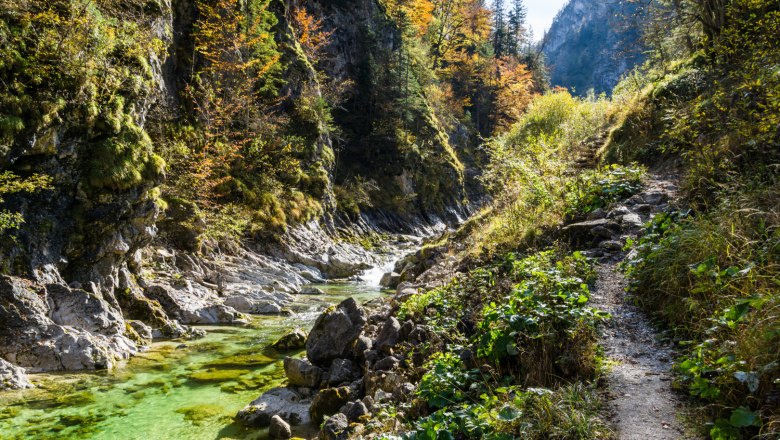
(541, 14)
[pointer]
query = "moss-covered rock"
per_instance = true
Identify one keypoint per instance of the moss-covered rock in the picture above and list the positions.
(328, 402)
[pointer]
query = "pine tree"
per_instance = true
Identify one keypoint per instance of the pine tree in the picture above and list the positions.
(516, 30)
(499, 29)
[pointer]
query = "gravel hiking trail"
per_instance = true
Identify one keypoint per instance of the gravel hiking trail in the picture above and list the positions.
(640, 399)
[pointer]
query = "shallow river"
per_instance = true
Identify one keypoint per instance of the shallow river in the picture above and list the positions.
(174, 390)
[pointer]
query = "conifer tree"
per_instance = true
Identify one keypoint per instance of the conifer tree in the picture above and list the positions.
(516, 28)
(499, 29)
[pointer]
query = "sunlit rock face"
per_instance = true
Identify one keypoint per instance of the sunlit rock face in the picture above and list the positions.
(592, 43)
(53, 328)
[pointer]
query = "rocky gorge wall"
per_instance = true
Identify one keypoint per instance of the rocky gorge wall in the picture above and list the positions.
(93, 272)
(591, 44)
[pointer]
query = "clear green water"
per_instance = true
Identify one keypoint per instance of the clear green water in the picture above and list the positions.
(170, 391)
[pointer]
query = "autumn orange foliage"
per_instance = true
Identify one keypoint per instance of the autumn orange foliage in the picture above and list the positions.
(514, 84)
(417, 14)
(235, 52)
(310, 33)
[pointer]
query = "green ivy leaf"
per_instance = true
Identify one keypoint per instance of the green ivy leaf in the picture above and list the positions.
(743, 417)
(509, 414)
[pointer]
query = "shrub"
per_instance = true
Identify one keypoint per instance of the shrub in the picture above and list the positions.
(572, 411)
(543, 330)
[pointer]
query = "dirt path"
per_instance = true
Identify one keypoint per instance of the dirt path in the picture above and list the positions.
(641, 402)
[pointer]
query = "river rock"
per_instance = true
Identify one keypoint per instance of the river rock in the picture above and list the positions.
(284, 402)
(611, 245)
(390, 279)
(291, 340)
(618, 212)
(279, 429)
(302, 373)
(311, 290)
(259, 304)
(341, 370)
(81, 309)
(12, 377)
(312, 274)
(335, 428)
(193, 307)
(309, 245)
(362, 344)
(143, 330)
(388, 336)
(356, 411)
(334, 333)
(631, 221)
(588, 231)
(328, 402)
(655, 197)
(387, 364)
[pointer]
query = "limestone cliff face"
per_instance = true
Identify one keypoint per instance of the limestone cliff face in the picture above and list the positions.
(100, 209)
(592, 43)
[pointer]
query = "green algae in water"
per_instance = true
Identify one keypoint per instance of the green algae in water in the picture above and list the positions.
(214, 375)
(199, 414)
(241, 361)
(153, 396)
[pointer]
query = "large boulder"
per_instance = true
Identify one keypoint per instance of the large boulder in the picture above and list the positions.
(12, 377)
(301, 372)
(81, 331)
(81, 309)
(388, 336)
(193, 307)
(591, 231)
(287, 403)
(334, 333)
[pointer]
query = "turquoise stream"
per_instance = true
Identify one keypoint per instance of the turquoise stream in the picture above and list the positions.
(174, 390)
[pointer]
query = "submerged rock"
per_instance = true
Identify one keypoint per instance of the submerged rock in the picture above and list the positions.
(291, 340)
(12, 377)
(286, 403)
(334, 333)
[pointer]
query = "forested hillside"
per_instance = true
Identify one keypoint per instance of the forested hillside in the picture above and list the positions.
(228, 120)
(203, 197)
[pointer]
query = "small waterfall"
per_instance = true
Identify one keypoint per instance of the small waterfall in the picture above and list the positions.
(373, 276)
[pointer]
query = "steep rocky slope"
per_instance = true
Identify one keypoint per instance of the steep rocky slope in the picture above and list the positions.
(591, 44)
